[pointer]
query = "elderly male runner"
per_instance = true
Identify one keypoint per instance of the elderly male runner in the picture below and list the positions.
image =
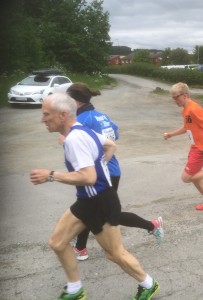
(97, 206)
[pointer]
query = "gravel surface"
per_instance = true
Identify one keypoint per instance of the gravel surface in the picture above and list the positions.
(150, 186)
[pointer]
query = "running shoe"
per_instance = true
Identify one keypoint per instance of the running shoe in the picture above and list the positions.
(81, 254)
(158, 231)
(199, 207)
(147, 294)
(80, 295)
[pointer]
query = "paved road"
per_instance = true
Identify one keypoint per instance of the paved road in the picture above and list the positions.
(150, 186)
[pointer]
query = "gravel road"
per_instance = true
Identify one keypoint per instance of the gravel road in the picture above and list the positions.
(150, 186)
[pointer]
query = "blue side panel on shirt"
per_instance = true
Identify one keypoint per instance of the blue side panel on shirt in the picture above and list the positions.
(103, 178)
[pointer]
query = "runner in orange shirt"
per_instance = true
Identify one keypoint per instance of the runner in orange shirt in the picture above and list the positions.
(193, 126)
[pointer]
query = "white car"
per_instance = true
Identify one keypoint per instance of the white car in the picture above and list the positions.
(34, 88)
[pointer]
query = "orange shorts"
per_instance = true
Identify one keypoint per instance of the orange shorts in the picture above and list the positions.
(195, 161)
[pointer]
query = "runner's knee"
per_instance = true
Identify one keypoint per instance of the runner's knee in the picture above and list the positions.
(56, 245)
(186, 178)
(115, 256)
(109, 256)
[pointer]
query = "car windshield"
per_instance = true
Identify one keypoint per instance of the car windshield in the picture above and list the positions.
(36, 80)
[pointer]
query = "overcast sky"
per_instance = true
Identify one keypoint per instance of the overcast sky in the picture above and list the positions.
(156, 24)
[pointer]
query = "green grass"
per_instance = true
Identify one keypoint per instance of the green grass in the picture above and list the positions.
(95, 81)
(160, 91)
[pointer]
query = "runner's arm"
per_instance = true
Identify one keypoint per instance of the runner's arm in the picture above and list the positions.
(178, 131)
(109, 149)
(84, 176)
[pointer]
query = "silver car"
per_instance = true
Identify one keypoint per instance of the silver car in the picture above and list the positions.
(34, 88)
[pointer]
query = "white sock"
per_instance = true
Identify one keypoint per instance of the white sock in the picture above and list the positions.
(73, 287)
(147, 283)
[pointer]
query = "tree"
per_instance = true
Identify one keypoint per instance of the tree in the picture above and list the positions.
(179, 56)
(120, 50)
(20, 46)
(37, 33)
(166, 57)
(95, 40)
(198, 54)
(142, 55)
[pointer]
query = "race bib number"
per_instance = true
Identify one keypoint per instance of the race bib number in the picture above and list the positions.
(109, 133)
(189, 133)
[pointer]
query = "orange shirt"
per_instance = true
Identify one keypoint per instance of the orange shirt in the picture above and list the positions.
(193, 122)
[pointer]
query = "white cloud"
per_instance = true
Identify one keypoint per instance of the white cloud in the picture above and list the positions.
(156, 24)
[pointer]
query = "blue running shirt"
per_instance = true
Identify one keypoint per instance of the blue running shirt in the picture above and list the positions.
(102, 124)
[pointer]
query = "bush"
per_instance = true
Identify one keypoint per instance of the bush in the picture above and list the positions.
(191, 77)
(6, 82)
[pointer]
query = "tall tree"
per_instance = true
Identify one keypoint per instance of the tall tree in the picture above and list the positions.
(72, 34)
(96, 38)
(20, 46)
(176, 56)
(43, 33)
(179, 56)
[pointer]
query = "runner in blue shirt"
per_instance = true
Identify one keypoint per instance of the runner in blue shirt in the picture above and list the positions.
(101, 123)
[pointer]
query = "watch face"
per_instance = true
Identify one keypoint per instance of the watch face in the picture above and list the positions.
(50, 178)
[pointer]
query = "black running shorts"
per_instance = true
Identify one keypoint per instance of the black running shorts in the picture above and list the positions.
(94, 212)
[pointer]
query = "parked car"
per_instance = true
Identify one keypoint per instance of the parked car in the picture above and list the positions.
(199, 68)
(34, 88)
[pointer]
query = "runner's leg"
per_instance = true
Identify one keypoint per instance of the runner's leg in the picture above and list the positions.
(66, 229)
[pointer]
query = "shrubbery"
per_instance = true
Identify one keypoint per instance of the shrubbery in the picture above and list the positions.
(191, 77)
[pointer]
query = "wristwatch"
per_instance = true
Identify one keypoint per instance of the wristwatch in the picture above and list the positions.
(51, 176)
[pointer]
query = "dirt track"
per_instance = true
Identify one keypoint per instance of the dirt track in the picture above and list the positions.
(150, 186)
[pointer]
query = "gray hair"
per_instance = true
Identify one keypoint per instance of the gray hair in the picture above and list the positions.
(62, 102)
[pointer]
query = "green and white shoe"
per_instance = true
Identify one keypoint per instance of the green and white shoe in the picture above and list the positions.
(80, 295)
(147, 294)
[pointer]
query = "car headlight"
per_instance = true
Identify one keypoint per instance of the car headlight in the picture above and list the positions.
(12, 91)
(38, 92)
